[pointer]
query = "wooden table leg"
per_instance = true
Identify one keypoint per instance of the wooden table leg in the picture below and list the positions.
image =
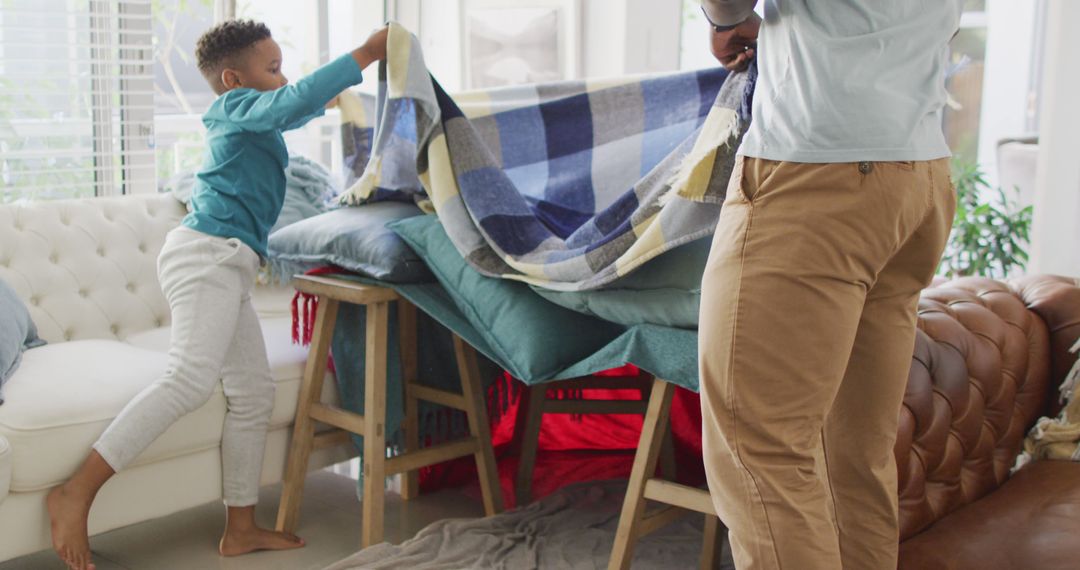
(374, 460)
(532, 400)
(712, 543)
(304, 427)
(648, 452)
(472, 388)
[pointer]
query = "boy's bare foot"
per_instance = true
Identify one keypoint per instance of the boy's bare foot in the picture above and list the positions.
(67, 516)
(237, 542)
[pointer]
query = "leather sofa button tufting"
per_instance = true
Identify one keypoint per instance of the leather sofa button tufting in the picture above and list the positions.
(54, 258)
(35, 301)
(130, 287)
(101, 252)
(114, 329)
(83, 293)
(142, 248)
(67, 334)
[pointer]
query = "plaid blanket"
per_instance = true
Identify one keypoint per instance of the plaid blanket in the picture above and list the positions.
(568, 185)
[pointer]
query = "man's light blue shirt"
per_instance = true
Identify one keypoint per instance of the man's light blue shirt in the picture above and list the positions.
(848, 80)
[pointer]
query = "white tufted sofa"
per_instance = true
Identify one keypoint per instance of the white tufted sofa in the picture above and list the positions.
(87, 271)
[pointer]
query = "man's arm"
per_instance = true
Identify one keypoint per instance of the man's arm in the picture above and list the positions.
(726, 13)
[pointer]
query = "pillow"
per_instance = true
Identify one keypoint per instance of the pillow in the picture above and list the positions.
(356, 239)
(529, 337)
(309, 190)
(665, 291)
(17, 333)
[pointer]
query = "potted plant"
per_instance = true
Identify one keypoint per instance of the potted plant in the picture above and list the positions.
(990, 231)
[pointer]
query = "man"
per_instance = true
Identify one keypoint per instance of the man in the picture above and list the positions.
(835, 219)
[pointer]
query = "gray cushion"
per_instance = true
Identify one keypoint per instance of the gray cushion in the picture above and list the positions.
(17, 333)
(666, 291)
(356, 239)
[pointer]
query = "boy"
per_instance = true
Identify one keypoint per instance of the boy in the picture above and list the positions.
(207, 268)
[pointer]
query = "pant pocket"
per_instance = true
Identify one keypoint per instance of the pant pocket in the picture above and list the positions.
(224, 250)
(735, 190)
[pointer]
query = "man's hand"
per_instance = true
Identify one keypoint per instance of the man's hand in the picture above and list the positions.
(736, 47)
(374, 48)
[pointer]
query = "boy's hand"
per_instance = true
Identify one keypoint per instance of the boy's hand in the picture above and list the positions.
(374, 49)
(333, 102)
(736, 47)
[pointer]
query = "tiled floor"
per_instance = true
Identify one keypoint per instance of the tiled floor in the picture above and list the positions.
(329, 521)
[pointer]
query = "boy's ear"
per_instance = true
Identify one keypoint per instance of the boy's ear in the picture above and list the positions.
(230, 78)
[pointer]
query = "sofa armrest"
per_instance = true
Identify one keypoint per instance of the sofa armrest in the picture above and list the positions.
(5, 468)
(1057, 302)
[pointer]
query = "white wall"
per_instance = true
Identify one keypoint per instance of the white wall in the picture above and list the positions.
(1055, 244)
(653, 29)
(604, 37)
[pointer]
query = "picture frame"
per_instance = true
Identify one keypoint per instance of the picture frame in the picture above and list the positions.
(512, 42)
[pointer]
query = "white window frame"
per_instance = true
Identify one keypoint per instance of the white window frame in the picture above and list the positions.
(129, 23)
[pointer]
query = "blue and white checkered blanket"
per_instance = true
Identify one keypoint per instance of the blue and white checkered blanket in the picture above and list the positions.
(567, 185)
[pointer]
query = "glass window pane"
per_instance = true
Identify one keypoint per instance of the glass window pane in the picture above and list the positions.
(179, 86)
(965, 86)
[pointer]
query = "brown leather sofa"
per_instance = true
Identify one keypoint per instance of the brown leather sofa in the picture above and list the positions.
(989, 357)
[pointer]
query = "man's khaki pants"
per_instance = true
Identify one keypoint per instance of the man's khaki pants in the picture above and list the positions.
(806, 335)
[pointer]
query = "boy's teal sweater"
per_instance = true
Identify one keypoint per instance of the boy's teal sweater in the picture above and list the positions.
(239, 190)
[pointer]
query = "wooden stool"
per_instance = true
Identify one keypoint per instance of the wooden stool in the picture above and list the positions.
(534, 404)
(371, 425)
(680, 499)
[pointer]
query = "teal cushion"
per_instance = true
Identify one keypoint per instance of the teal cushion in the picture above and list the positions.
(356, 239)
(665, 291)
(531, 338)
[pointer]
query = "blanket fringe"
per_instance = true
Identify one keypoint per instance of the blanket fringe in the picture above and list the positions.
(305, 307)
(1068, 387)
(692, 178)
(504, 392)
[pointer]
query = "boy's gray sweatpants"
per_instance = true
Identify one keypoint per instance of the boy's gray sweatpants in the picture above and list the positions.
(207, 281)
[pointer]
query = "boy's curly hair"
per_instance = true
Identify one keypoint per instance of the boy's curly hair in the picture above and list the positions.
(221, 44)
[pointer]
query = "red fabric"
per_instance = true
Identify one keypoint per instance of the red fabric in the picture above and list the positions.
(581, 448)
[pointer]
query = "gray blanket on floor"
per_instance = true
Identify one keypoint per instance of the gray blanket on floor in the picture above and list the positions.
(573, 528)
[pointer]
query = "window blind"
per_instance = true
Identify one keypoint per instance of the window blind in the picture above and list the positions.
(76, 98)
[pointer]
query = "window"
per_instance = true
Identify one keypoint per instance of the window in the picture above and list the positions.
(181, 93)
(76, 99)
(965, 82)
(694, 42)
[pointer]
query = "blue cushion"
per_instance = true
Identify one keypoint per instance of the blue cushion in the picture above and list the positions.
(666, 291)
(531, 337)
(17, 333)
(356, 239)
